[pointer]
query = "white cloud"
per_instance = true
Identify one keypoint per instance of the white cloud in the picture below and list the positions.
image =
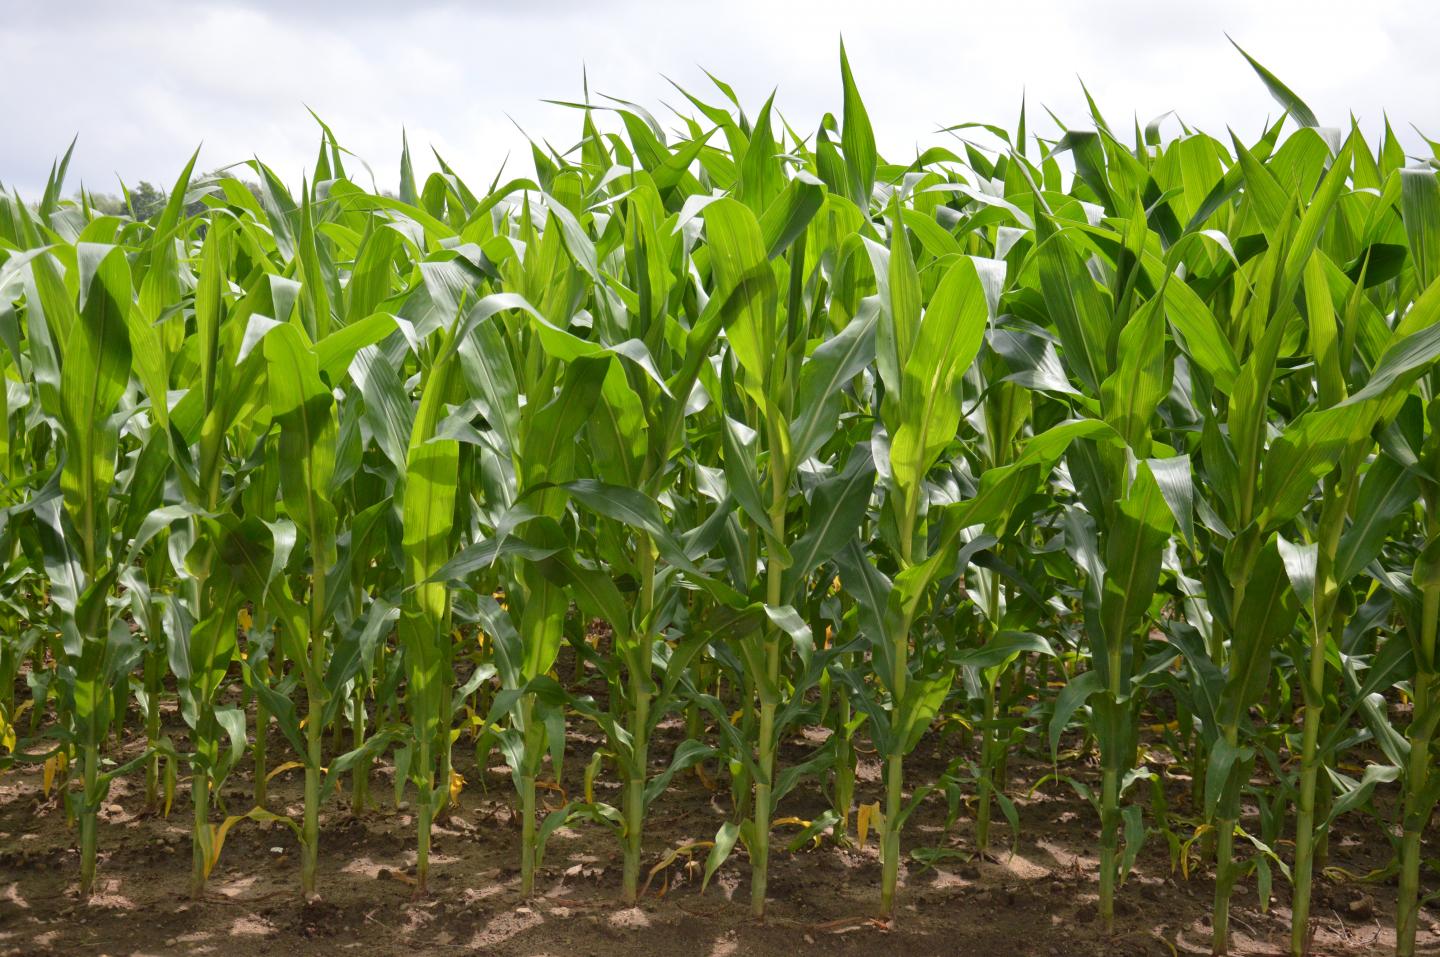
(144, 83)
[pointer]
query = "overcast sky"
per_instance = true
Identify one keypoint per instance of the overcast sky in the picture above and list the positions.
(143, 82)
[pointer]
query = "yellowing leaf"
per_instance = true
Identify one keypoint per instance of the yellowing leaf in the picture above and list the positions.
(217, 834)
(685, 850)
(862, 821)
(169, 788)
(1185, 849)
(282, 768)
(54, 768)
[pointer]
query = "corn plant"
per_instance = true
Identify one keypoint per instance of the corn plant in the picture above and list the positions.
(91, 380)
(431, 475)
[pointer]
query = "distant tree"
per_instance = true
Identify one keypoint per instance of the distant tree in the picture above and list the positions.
(146, 200)
(107, 204)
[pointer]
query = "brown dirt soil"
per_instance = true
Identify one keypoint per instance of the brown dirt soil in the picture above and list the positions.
(1038, 900)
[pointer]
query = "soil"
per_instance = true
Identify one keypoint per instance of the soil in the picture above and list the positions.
(1037, 899)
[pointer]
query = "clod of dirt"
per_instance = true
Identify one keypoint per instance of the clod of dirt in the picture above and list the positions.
(1361, 907)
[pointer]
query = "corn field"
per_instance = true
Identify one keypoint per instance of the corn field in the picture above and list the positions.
(1117, 446)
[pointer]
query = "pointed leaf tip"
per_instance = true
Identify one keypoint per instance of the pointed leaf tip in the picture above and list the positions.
(1283, 95)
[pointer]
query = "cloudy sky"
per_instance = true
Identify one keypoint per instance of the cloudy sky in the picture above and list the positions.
(145, 81)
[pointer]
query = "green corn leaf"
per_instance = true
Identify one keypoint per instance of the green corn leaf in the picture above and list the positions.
(745, 285)
(93, 379)
(930, 401)
(1293, 105)
(857, 138)
(1133, 553)
(1263, 619)
(1078, 309)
